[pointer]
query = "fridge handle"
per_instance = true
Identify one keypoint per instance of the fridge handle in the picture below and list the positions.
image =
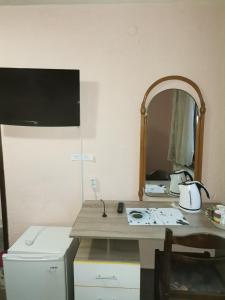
(30, 258)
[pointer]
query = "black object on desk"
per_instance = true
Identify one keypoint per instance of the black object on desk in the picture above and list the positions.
(120, 207)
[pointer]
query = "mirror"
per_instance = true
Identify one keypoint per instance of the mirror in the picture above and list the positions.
(172, 120)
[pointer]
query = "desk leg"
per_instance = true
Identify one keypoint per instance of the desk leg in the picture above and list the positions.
(108, 247)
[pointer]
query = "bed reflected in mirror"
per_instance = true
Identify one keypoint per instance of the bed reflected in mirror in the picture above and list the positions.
(171, 132)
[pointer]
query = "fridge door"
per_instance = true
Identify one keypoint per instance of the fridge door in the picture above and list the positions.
(34, 277)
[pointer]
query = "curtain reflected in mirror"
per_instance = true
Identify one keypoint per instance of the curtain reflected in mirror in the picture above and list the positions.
(170, 148)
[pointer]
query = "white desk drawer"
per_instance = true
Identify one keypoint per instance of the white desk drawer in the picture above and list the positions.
(99, 293)
(106, 274)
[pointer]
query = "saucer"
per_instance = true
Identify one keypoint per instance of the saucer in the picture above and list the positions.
(220, 226)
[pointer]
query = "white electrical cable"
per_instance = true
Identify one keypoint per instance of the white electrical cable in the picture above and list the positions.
(82, 163)
(31, 241)
(95, 192)
(82, 166)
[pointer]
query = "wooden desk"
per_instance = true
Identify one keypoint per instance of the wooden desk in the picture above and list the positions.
(91, 224)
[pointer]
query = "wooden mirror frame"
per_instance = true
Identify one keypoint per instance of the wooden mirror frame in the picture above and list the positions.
(162, 85)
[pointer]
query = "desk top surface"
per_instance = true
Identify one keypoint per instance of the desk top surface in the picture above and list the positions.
(90, 223)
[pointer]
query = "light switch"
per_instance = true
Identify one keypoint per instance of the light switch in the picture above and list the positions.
(83, 157)
(76, 156)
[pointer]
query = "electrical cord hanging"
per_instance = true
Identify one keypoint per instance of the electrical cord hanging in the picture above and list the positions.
(104, 212)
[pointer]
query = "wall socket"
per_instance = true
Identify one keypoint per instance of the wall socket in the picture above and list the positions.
(82, 157)
(96, 188)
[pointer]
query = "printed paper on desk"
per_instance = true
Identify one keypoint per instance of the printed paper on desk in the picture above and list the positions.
(154, 188)
(155, 216)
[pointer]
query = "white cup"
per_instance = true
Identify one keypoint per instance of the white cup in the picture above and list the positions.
(220, 207)
(222, 220)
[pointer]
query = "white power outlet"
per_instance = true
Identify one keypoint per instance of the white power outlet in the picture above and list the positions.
(94, 184)
(96, 188)
(76, 156)
(83, 157)
(88, 157)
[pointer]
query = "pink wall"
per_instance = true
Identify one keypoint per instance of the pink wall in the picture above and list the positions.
(120, 49)
(159, 122)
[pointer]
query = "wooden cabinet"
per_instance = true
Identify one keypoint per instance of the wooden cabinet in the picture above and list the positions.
(107, 270)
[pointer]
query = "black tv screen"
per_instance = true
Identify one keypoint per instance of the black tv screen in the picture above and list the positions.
(39, 97)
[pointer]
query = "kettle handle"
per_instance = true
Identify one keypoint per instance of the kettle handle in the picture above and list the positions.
(187, 174)
(201, 186)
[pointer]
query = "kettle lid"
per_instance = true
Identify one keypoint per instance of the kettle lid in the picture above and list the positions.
(177, 172)
(186, 173)
(198, 184)
(190, 182)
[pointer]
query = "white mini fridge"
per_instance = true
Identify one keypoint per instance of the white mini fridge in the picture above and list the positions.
(39, 266)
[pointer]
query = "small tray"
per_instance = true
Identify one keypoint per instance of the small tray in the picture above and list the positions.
(220, 226)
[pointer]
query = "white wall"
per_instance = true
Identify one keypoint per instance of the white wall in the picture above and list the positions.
(120, 50)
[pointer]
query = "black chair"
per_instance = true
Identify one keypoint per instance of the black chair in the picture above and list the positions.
(188, 275)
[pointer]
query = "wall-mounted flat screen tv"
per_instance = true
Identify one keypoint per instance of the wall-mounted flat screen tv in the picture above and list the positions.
(39, 97)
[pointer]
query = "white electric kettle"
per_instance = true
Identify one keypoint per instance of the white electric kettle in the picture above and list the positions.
(176, 178)
(190, 196)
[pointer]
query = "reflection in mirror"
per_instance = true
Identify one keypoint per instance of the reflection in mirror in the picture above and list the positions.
(1, 231)
(1, 237)
(171, 144)
(171, 131)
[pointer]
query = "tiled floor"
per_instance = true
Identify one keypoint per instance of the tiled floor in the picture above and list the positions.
(2, 295)
(147, 284)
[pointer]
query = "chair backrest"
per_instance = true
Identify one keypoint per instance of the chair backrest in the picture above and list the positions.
(180, 273)
(198, 240)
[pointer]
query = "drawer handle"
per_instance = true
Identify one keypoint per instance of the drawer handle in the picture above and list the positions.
(106, 277)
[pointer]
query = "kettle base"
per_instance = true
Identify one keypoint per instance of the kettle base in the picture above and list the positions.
(172, 194)
(192, 211)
